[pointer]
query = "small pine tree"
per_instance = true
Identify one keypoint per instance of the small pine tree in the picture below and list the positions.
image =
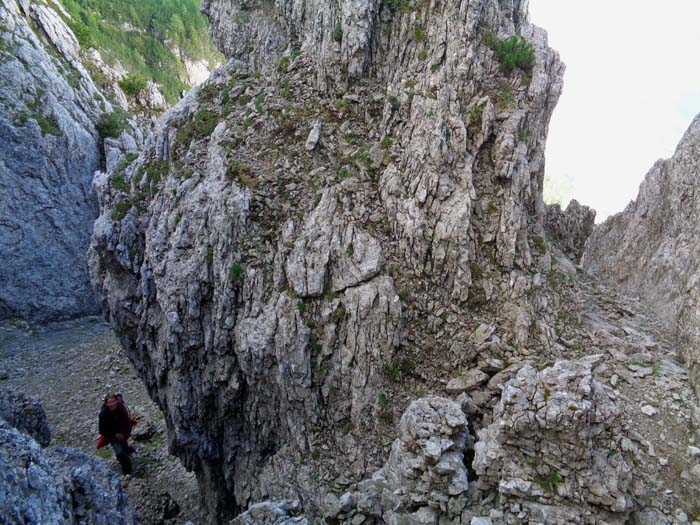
(516, 52)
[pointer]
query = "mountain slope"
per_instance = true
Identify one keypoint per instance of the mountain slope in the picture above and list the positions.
(329, 268)
(161, 40)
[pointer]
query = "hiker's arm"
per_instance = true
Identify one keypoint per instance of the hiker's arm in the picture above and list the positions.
(103, 427)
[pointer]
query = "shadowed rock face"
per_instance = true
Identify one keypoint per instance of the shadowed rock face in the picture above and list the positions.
(25, 414)
(252, 269)
(652, 248)
(48, 155)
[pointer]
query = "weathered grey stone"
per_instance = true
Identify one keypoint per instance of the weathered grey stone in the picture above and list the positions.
(272, 513)
(466, 382)
(25, 414)
(57, 485)
(648, 410)
(48, 155)
(433, 435)
(314, 136)
(649, 517)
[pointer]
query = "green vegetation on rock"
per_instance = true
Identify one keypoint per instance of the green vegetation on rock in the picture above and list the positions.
(513, 52)
(149, 38)
(112, 124)
(201, 126)
(132, 85)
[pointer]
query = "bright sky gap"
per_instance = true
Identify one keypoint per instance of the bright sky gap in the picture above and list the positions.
(631, 89)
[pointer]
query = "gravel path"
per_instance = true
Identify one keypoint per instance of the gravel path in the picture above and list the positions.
(70, 366)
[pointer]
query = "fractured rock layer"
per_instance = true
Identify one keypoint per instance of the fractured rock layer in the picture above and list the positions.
(557, 438)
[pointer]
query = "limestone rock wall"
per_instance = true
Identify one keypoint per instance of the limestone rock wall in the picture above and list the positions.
(48, 155)
(310, 228)
(652, 248)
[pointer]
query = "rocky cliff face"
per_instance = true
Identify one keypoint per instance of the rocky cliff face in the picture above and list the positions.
(48, 156)
(347, 217)
(652, 248)
(278, 249)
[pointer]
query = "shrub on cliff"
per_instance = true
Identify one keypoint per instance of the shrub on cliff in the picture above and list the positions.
(516, 52)
(112, 124)
(132, 85)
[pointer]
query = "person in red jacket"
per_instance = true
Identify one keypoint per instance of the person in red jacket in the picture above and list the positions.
(115, 425)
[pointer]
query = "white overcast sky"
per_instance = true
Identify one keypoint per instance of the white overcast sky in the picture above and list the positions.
(631, 89)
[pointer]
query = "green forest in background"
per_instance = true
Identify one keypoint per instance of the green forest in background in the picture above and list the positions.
(141, 34)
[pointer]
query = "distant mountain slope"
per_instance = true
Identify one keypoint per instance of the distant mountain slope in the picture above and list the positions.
(163, 40)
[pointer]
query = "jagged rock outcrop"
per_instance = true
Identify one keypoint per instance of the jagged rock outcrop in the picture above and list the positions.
(424, 477)
(652, 248)
(272, 513)
(57, 484)
(25, 414)
(556, 450)
(48, 156)
(272, 295)
(569, 229)
(151, 97)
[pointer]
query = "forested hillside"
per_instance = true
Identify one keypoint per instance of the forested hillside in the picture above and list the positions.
(150, 38)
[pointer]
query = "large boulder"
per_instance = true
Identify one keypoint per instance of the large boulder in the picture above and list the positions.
(26, 414)
(425, 476)
(557, 448)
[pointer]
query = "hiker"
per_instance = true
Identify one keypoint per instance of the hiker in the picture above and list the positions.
(115, 426)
